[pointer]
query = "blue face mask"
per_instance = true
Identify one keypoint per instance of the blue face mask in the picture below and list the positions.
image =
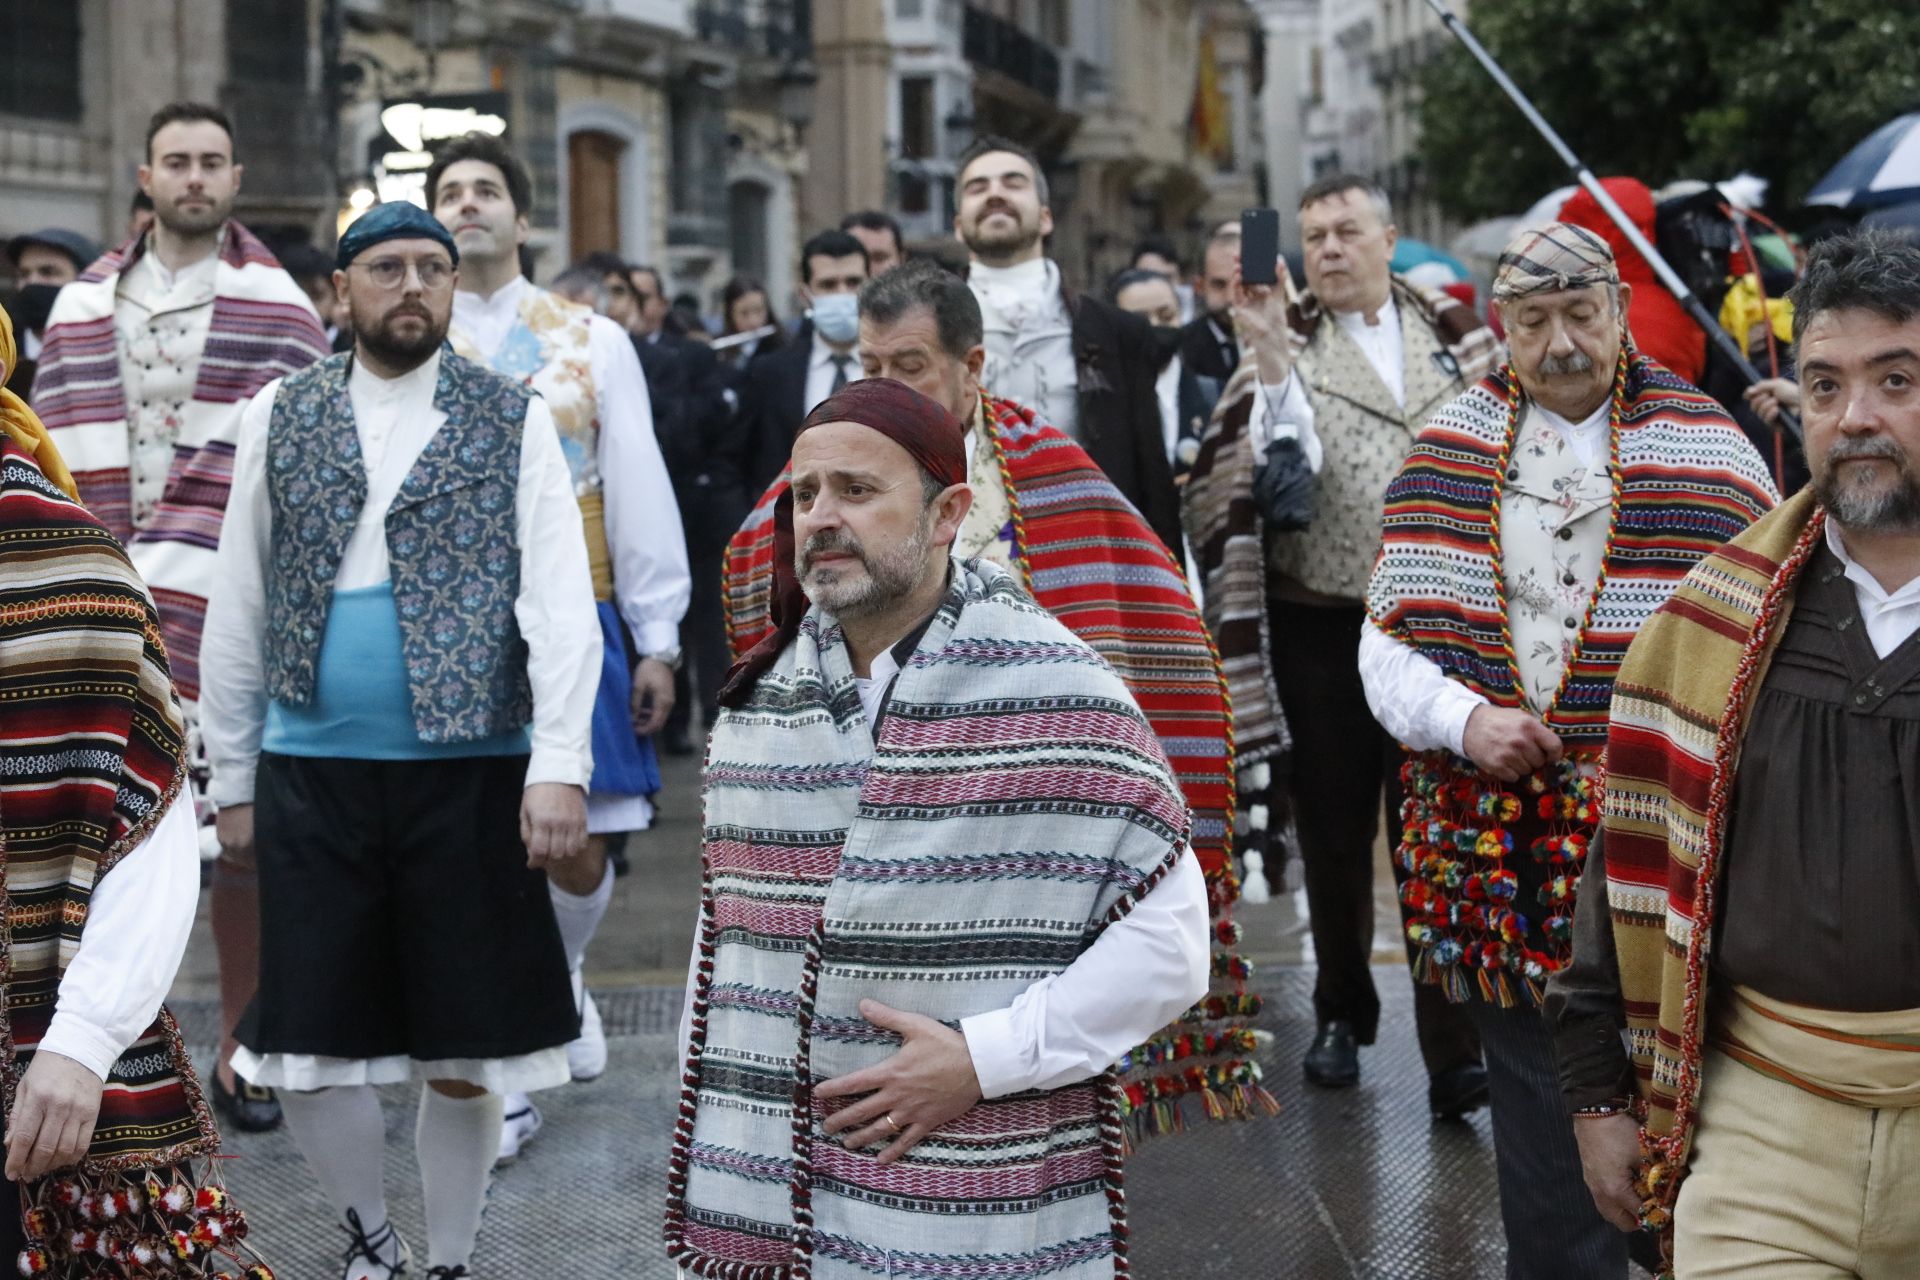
(837, 316)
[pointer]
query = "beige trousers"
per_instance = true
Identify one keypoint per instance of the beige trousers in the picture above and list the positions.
(1785, 1185)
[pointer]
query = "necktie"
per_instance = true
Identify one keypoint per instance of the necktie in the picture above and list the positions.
(840, 364)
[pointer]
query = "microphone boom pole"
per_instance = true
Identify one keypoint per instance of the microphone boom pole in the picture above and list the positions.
(1584, 176)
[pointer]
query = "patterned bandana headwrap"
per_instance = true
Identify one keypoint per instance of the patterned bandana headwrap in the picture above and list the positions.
(394, 220)
(1553, 259)
(923, 427)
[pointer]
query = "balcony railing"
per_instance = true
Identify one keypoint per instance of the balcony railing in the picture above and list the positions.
(783, 31)
(997, 45)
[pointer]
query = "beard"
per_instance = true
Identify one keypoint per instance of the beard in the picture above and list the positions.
(1859, 501)
(1000, 240)
(378, 334)
(881, 580)
(192, 221)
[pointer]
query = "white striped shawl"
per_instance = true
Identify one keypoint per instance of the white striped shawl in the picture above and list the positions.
(1015, 804)
(262, 328)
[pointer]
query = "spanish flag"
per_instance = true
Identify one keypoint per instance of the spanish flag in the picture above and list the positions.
(1209, 122)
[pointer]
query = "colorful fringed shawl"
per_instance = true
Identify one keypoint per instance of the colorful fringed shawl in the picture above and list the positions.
(262, 328)
(1092, 562)
(1014, 805)
(1491, 869)
(93, 741)
(1680, 709)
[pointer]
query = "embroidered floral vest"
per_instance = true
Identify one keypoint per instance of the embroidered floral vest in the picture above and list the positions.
(451, 539)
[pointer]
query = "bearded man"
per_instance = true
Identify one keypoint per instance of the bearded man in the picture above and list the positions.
(408, 656)
(1537, 523)
(947, 884)
(1749, 914)
(1044, 512)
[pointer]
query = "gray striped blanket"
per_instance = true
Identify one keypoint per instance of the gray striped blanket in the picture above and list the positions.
(1015, 803)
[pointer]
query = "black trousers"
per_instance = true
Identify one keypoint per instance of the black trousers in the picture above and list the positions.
(703, 632)
(1345, 770)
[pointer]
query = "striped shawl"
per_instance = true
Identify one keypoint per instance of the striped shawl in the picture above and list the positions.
(94, 749)
(262, 328)
(1015, 803)
(1093, 563)
(1489, 901)
(1680, 711)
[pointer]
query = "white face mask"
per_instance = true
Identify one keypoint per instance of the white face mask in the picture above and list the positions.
(837, 316)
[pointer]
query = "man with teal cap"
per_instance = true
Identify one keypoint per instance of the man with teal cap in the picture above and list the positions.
(404, 656)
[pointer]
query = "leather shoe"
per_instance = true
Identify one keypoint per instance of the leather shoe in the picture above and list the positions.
(1457, 1090)
(249, 1108)
(1334, 1060)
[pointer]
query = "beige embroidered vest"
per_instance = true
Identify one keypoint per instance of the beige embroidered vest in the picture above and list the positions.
(1364, 437)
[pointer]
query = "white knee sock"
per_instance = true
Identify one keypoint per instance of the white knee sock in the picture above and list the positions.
(578, 915)
(457, 1140)
(344, 1136)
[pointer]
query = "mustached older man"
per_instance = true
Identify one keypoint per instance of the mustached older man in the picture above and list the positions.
(1539, 521)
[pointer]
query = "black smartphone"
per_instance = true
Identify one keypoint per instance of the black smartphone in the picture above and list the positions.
(1259, 245)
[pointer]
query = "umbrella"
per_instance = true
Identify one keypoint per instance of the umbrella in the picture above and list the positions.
(1885, 169)
(1408, 254)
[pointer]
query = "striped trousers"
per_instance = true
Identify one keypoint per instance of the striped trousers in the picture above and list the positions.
(1553, 1231)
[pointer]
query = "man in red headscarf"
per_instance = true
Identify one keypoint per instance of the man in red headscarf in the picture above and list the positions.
(948, 884)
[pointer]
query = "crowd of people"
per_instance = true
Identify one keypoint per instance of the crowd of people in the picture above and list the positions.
(1020, 621)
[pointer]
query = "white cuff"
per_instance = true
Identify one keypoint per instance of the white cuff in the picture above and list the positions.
(70, 1036)
(655, 637)
(556, 764)
(995, 1052)
(233, 784)
(1452, 718)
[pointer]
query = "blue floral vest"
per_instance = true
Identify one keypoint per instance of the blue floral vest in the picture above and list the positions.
(450, 536)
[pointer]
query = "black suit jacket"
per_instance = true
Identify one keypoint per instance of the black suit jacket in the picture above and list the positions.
(1119, 410)
(702, 439)
(775, 401)
(1202, 352)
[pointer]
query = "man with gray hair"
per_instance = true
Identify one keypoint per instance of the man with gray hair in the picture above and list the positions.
(1538, 522)
(1337, 382)
(1750, 907)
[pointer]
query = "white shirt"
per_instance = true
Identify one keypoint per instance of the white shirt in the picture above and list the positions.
(1166, 389)
(821, 369)
(394, 419)
(136, 932)
(161, 321)
(1284, 411)
(1143, 971)
(1889, 616)
(651, 584)
(1028, 333)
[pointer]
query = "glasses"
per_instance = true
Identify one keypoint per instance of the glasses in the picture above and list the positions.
(388, 273)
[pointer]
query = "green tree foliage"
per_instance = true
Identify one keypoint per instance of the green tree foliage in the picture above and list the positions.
(1664, 89)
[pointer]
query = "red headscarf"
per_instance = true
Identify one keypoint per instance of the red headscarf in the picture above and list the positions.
(923, 427)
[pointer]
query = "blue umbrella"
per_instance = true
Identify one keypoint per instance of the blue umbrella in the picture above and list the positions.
(1885, 169)
(1408, 254)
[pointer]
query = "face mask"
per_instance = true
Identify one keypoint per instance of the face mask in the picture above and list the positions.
(837, 316)
(1166, 343)
(32, 304)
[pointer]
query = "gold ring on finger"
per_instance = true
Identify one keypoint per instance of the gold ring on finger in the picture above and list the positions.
(891, 1123)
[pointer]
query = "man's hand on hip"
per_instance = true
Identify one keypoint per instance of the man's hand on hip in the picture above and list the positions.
(53, 1117)
(927, 1083)
(233, 825)
(1510, 743)
(1609, 1160)
(652, 695)
(553, 822)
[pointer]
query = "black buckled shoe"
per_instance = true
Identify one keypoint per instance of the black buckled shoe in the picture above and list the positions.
(1457, 1090)
(1334, 1060)
(449, 1273)
(250, 1108)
